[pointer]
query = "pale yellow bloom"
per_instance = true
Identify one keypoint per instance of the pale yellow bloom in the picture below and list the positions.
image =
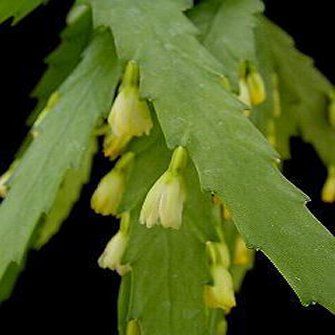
(112, 256)
(130, 115)
(164, 202)
(108, 195)
(242, 255)
(244, 94)
(221, 294)
(256, 87)
(218, 253)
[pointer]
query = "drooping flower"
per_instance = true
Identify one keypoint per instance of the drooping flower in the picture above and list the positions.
(108, 195)
(328, 190)
(129, 116)
(251, 86)
(242, 255)
(218, 253)
(221, 293)
(112, 256)
(164, 203)
(256, 87)
(244, 95)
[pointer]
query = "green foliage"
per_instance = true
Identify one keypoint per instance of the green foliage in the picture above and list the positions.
(304, 94)
(268, 211)
(226, 30)
(182, 68)
(17, 8)
(62, 141)
(66, 57)
(162, 265)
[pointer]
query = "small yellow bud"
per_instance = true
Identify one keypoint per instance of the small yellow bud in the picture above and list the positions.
(218, 253)
(164, 202)
(221, 294)
(328, 190)
(256, 87)
(242, 255)
(130, 116)
(108, 195)
(244, 95)
(133, 328)
(112, 256)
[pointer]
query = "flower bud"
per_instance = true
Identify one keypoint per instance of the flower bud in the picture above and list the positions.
(256, 87)
(218, 253)
(130, 116)
(328, 190)
(133, 328)
(221, 294)
(112, 256)
(164, 202)
(108, 195)
(244, 95)
(242, 255)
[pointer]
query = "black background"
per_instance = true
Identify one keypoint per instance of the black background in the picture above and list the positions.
(62, 289)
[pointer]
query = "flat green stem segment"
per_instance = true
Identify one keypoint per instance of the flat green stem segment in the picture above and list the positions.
(17, 8)
(65, 58)
(304, 93)
(63, 138)
(164, 290)
(227, 31)
(231, 156)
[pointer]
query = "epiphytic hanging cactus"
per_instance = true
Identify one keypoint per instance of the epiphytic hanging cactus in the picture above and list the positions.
(201, 94)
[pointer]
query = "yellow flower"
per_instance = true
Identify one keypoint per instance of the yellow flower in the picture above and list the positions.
(242, 255)
(256, 87)
(218, 253)
(112, 256)
(244, 95)
(130, 115)
(108, 195)
(221, 294)
(164, 202)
